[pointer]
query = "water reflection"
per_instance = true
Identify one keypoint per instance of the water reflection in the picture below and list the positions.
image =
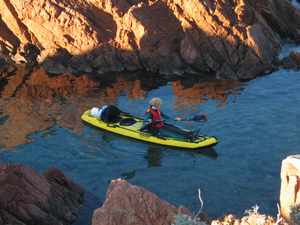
(195, 94)
(208, 152)
(32, 101)
(154, 155)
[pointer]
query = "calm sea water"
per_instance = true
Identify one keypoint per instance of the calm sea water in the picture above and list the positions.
(257, 123)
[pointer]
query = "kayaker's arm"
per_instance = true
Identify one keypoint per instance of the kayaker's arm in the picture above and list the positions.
(166, 117)
(148, 116)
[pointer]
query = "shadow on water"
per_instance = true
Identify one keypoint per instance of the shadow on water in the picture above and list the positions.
(153, 156)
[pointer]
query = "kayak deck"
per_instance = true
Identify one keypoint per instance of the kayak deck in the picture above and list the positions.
(133, 131)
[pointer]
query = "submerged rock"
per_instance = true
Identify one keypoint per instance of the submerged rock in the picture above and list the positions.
(28, 198)
(127, 204)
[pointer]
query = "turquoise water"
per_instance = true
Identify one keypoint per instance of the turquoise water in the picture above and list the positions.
(257, 123)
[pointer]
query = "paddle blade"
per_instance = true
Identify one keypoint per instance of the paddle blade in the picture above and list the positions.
(200, 118)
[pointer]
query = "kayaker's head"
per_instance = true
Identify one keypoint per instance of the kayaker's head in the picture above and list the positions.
(156, 102)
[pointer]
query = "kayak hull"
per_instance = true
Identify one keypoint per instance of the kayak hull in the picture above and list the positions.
(132, 131)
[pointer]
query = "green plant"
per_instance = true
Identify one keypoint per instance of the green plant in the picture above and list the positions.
(181, 219)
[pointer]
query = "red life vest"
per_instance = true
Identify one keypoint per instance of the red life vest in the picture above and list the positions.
(157, 121)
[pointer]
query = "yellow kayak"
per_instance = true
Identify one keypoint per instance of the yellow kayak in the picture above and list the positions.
(132, 130)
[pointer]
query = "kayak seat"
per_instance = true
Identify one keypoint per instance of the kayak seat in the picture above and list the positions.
(127, 121)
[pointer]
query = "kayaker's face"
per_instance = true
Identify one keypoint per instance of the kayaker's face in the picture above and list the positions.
(157, 106)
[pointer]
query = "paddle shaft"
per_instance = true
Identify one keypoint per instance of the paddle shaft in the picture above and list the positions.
(196, 118)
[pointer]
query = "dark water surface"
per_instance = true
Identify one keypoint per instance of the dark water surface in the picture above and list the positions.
(257, 123)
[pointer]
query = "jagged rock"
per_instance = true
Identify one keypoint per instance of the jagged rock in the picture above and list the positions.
(290, 188)
(18, 58)
(54, 68)
(79, 64)
(229, 39)
(6, 67)
(292, 61)
(28, 198)
(30, 53)
(281, 16)
(3, 62)
(127, 204)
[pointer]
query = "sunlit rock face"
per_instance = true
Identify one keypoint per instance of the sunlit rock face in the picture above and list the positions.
(228, 39)
(29, 198)
(290, 188)
(128, 204)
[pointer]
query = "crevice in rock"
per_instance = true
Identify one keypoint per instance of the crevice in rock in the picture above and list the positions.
(25, 78)
(13, 11)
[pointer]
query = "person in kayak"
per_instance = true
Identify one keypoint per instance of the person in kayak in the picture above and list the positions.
(155, 121)
(154, 117)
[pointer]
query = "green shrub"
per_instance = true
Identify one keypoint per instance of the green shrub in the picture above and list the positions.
(181, 219)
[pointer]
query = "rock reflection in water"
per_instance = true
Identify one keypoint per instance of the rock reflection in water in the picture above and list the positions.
(32, 101)
(35, 101)
(197, 93)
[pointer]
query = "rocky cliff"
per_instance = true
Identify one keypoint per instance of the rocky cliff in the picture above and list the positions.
(230, 39)
(28, 198)
(127, 204)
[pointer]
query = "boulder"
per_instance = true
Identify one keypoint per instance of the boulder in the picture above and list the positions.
(227, 39)
(292, 61)
(6, 67)
(80, 64)
(58, 62)
(127, 204)
(54, 68)
(290, 189)
(28, 198)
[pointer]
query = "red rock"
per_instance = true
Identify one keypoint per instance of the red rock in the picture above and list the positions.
(127, 204)
(28, 198)
(231, 39)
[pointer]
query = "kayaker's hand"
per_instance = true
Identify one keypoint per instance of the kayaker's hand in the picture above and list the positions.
(178, 118)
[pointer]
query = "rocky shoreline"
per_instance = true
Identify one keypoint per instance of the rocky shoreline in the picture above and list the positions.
(231, 40)
(52, 199)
